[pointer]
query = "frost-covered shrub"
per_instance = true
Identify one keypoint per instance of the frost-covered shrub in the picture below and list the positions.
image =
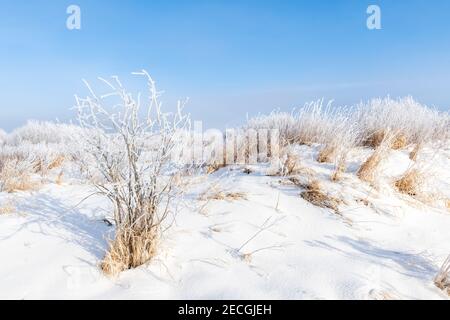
(276, 120)
(410, 121)
(132, 145)
(3, 137)
(46, 145)
(36, 132)
(313, 123)
(16, 173)
(402, 121)
(318, 123)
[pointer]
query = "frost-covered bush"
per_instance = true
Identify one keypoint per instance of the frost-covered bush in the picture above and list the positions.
(46, 145)
(36, 132)
(3, 137)
(402, 121)
(404, 117)
(16, 171)
(313, 123)
(131, 141)
(276, 120)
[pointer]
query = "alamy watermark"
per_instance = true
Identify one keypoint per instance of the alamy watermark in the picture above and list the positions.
(73, 21)
(229, 147)
(374, 19)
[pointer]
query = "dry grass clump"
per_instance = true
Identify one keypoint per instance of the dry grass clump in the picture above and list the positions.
(412, 121)
(16, 175)
(47, 162)
(375, 139)
(410, 182)
(415, 152)
(57, 162)
(368, 170)
(341, 166)
(327, 154)
(214, 167)
(400, 141)
(290, 165)
(314, 195)
(7, 208)
(286, 165)
(131, 248)
(442, 280)
(397, 141)
(223, 196)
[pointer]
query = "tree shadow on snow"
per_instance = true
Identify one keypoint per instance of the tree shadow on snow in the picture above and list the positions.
(406, 263)
(51, 217)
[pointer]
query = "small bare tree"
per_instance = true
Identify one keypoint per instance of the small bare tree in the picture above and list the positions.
(131, 144)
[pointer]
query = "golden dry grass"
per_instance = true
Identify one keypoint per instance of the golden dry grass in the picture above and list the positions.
(376, 139)
(314, 195)
(14, 176)
(130, 249)
(340, 169)
(7, 208)
(56, 162)
(291, 164)
(59, 178)
(327, 154)
(223, 196)
(399, 141)
(214, 167)
(368, 170)
(410, 182)
(414, 153)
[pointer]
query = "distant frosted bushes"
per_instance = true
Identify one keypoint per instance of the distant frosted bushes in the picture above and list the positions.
(366, 124)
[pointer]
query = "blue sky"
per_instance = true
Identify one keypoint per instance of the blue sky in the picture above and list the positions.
(230, 57)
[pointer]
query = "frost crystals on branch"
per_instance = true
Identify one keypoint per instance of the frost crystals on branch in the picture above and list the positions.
(131, 141)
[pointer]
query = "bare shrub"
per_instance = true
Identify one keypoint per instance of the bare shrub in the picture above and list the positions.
(131, 148)
(442, 280)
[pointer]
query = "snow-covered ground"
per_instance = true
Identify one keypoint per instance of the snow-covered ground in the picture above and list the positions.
(265, 243)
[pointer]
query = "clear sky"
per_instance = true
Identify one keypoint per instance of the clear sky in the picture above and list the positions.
(230, 57)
